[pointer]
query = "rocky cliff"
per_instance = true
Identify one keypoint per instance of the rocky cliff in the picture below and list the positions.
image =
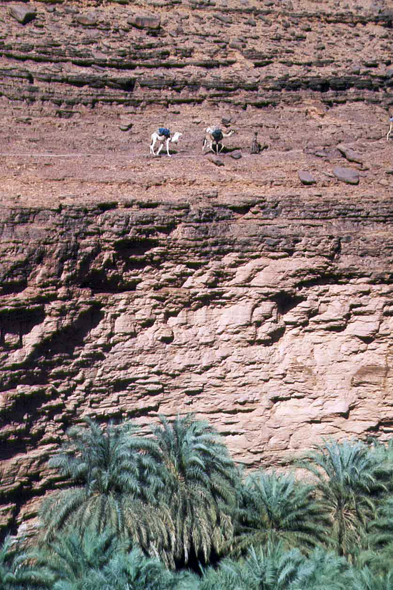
(236, 287)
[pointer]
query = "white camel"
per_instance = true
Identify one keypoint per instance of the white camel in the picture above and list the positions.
(214, 136)
(161, 139)
(390, 128)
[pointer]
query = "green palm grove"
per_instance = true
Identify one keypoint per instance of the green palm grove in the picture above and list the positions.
(170, 509)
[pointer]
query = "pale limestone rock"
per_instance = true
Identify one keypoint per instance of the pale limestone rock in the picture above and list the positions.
(265, 311)
(338, 408)
(125, 324)
(164, 334)
(235, 316)
(289, 272)
(363, 327)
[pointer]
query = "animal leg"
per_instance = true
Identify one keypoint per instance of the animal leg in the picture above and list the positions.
(167, 147)
(153, 143)
(159, 149)
(389, 132)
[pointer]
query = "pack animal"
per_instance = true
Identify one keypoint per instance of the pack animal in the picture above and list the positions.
(213, 138)
(390, 128)
(163, 136)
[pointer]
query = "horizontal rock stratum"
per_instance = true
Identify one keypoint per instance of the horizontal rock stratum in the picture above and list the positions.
(134, 286)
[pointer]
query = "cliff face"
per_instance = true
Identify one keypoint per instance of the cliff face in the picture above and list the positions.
(133, 286)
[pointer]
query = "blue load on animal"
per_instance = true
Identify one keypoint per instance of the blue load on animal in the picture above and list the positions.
(163, 136)
(164, 131)
(217, 135)
(213, 139)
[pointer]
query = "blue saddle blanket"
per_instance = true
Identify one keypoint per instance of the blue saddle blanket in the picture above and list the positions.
(164, 131)
(217, 135)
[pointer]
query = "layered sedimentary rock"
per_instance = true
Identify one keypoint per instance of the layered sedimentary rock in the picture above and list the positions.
(155, 52)
(134, 286)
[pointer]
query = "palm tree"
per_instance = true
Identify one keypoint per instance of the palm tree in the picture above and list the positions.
(75, 561)
(277, 507)
(366, 580)
(201, 488)
(91, 562)
(323, 571)
(230, 575)
(137, 572)
(16, 570)
(269, 568)
(274, 568)
(376, 550)
(349, 481)
(116, 477)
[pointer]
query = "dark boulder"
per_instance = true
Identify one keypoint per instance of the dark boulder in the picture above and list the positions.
(236, 155)
(87, 20)
(23, 14)
(349, 154)
(306, 178)
(348, 175)
(215, 160)
(145, 21)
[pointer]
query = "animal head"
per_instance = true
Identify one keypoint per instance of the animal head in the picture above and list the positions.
(176, 137)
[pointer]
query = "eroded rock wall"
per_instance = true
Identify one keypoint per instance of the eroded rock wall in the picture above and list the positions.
(279, 332)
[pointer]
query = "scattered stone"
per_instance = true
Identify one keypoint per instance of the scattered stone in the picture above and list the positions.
(226, 121)
(64, 113)
(223, 18)
(146, 21)
(236, 155)
(350, 155)
(87, 20)
(125, 126)
(23, 14)
(389, 171)
(306, 178)
(236, 45)
(348, 175)
(215, 160)
(371, 64)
